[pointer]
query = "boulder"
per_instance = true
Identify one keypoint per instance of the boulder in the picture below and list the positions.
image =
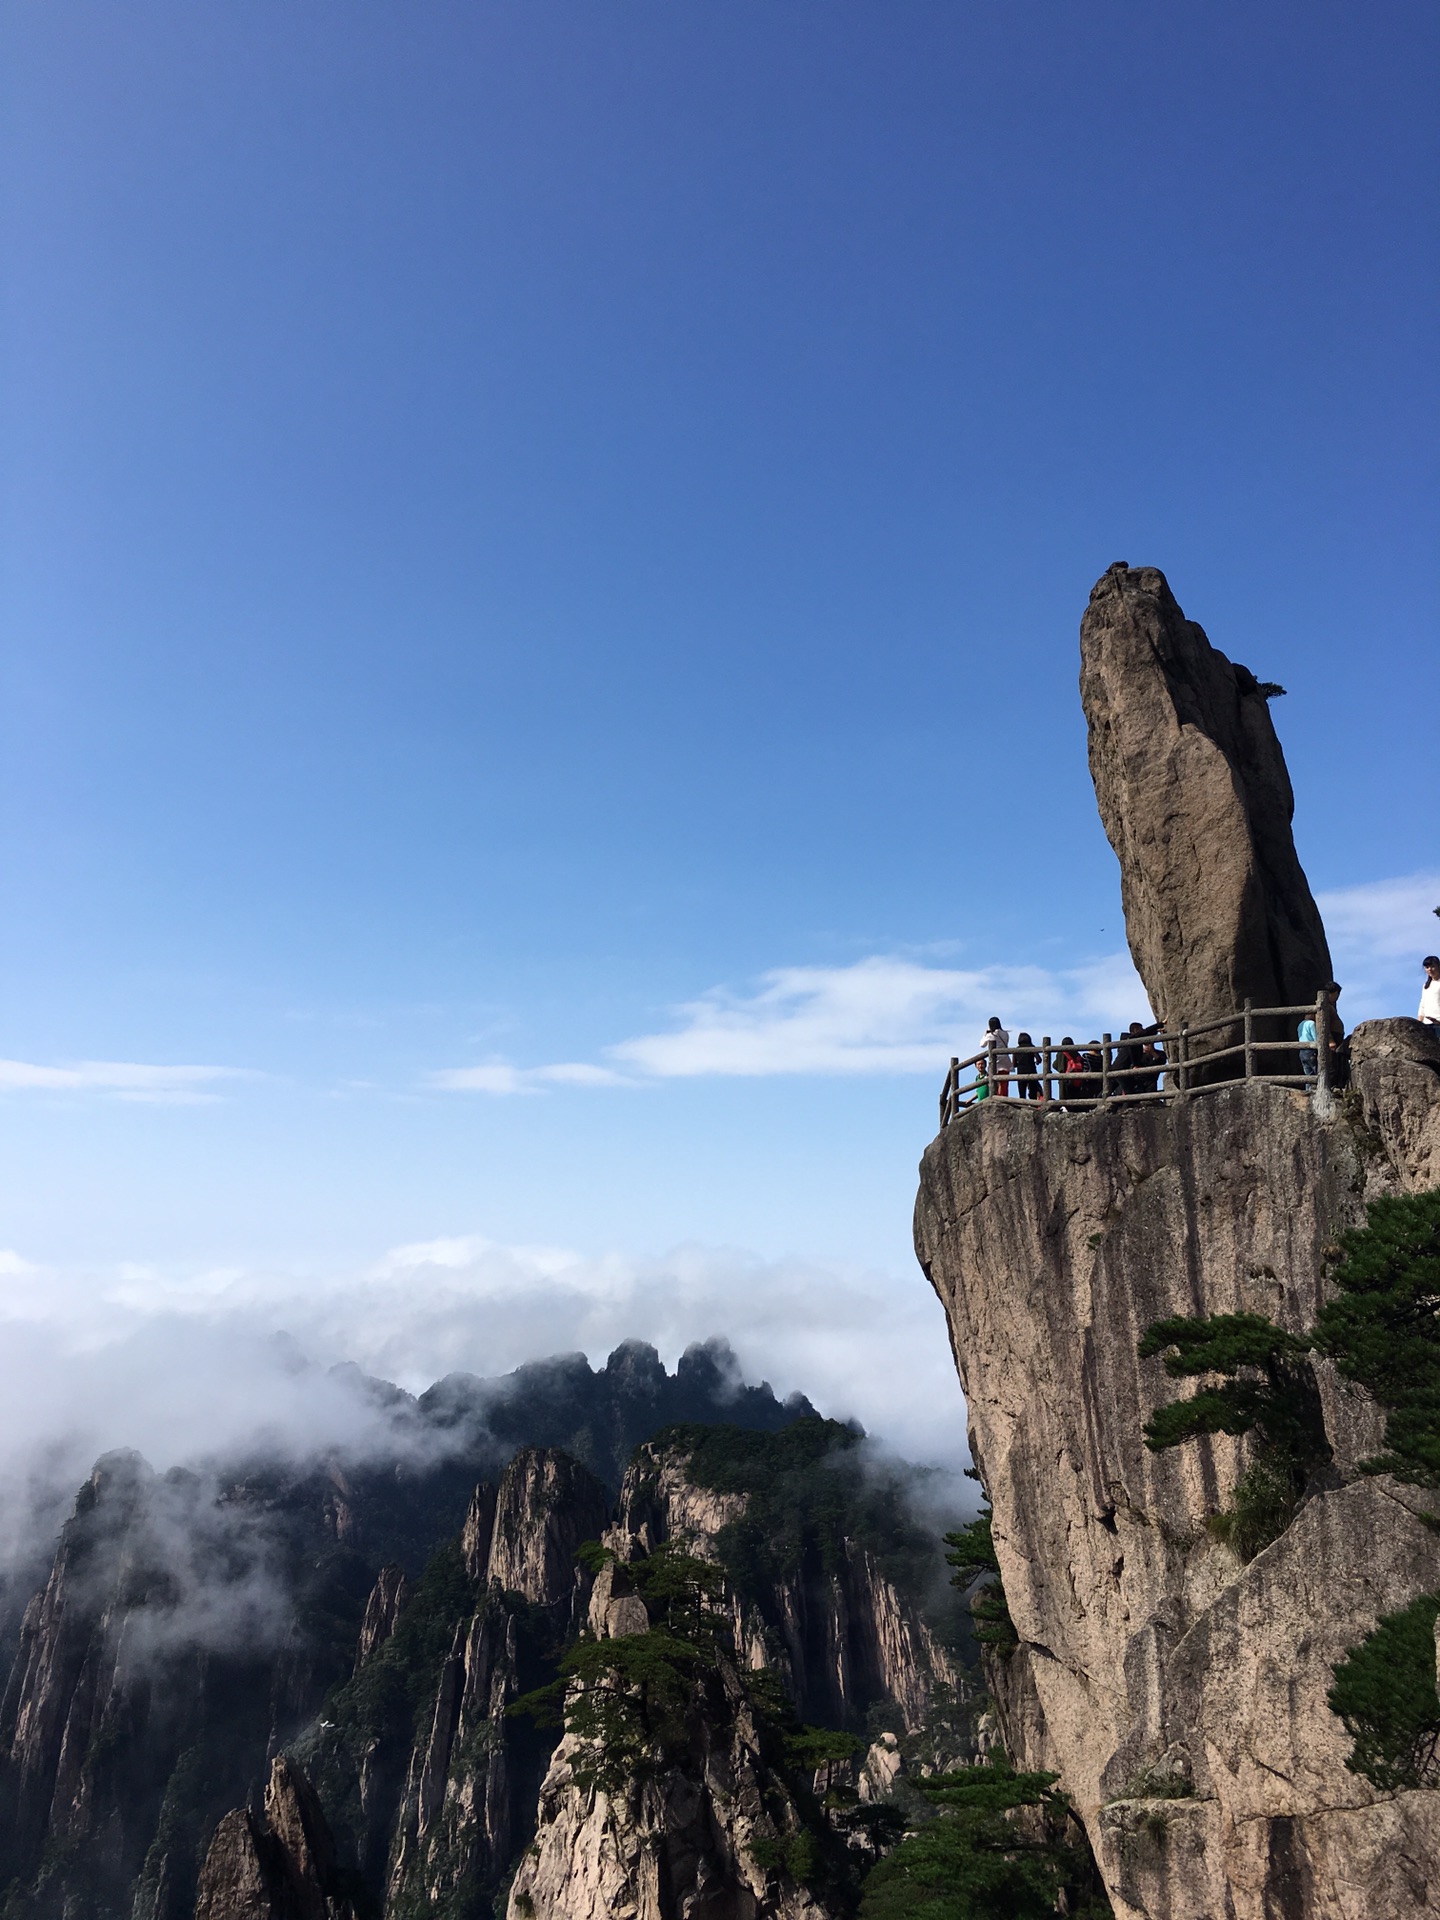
(1196, 801)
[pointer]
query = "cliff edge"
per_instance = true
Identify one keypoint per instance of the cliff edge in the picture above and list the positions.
(1179, 1691)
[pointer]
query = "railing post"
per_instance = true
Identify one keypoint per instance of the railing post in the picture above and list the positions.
(990, 1082)
(1104, 1066)
(1182, 1075)
(1249, 1044)
(1045, 1066)
(1321, 1100)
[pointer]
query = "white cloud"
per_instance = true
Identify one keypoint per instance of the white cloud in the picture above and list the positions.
(502, 1078)
(122, 1079)
(882, 1015)
(184, 1365)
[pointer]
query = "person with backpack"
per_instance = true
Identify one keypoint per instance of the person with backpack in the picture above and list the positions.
(1070, 1063)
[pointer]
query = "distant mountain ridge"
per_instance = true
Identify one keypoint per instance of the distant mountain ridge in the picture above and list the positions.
(192, 1625)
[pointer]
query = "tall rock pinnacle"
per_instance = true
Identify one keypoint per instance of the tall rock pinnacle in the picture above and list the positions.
(1197, 804)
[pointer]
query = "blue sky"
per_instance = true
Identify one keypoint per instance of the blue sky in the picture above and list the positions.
(518, 522)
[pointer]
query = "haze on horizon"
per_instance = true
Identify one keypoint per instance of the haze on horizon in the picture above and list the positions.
(544, 548)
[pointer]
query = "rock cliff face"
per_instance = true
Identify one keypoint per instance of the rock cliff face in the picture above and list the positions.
(279, 1866)
(1180, 1693)
(707, 1838)
(839, 1632)
(1197, 803)
(1146, 1648)
(715, 1833)
(375, 1772)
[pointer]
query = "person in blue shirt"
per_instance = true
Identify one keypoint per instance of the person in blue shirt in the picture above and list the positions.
(1309, 1058)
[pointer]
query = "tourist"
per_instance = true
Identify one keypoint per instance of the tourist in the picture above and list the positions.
(1309, 1057)
(1071, 1064)
(996, 1035)
(1152, 1056)
(1093, 1085)
(1129, 1058)
(1027, 1061)
(1336, 1046)
(1429, 1015)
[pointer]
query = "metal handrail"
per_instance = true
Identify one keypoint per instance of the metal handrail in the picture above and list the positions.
(1177, 1066)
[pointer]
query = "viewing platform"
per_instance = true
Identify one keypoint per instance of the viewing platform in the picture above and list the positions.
(1189, 1059)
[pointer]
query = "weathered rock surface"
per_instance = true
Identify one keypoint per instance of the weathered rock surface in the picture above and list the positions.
(1146, 1647)
(706, 1831)
(841, 1636)
(387, 1597)
(190, 1627)
(1197, 803)
(681, 1843)
(547, 1505)
(279, 1867)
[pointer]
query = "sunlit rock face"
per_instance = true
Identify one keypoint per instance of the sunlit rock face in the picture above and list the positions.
(1197, 803)
(1180, 1693)
(1147, 1648)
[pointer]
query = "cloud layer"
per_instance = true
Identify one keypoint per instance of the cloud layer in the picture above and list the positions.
(183, 1366)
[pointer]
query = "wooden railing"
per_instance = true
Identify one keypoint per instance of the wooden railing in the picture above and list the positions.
(1186, 1068)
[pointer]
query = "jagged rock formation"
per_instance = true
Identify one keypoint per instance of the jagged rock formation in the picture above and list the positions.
(431, 1786)
(1197, 803)
(280, 1866)
(706, 1838)
(190, 1628)
(387, 1600)
(547, 1505)
(839, 1632)
(715, 1831)
(600, 1418)
(413, 1788)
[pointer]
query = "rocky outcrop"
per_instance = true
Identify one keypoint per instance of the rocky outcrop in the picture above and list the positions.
(372, 1625)
(1147, 1650)
(1197, 803)
(280, 1866)
(547, 1506)
(707, 1836)
(387, 1597)
(842, 1636)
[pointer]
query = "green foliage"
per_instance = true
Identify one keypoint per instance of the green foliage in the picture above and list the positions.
(809, 1490)
(1385, 1693)
(798, 1854)
(629, 1699)
(398, 1682)
(1264, 1503)
(1383, 1329)
(814, 1747)
(1270, 1392)
(972, 1554)
(977, 1862)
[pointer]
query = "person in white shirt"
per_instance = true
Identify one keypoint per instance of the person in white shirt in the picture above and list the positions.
(1429, 1015)
(994, 1031)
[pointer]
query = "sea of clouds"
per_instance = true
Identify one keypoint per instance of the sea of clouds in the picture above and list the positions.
(212, 1366)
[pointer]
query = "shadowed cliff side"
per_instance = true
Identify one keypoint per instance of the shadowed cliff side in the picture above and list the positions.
(1196, 801)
